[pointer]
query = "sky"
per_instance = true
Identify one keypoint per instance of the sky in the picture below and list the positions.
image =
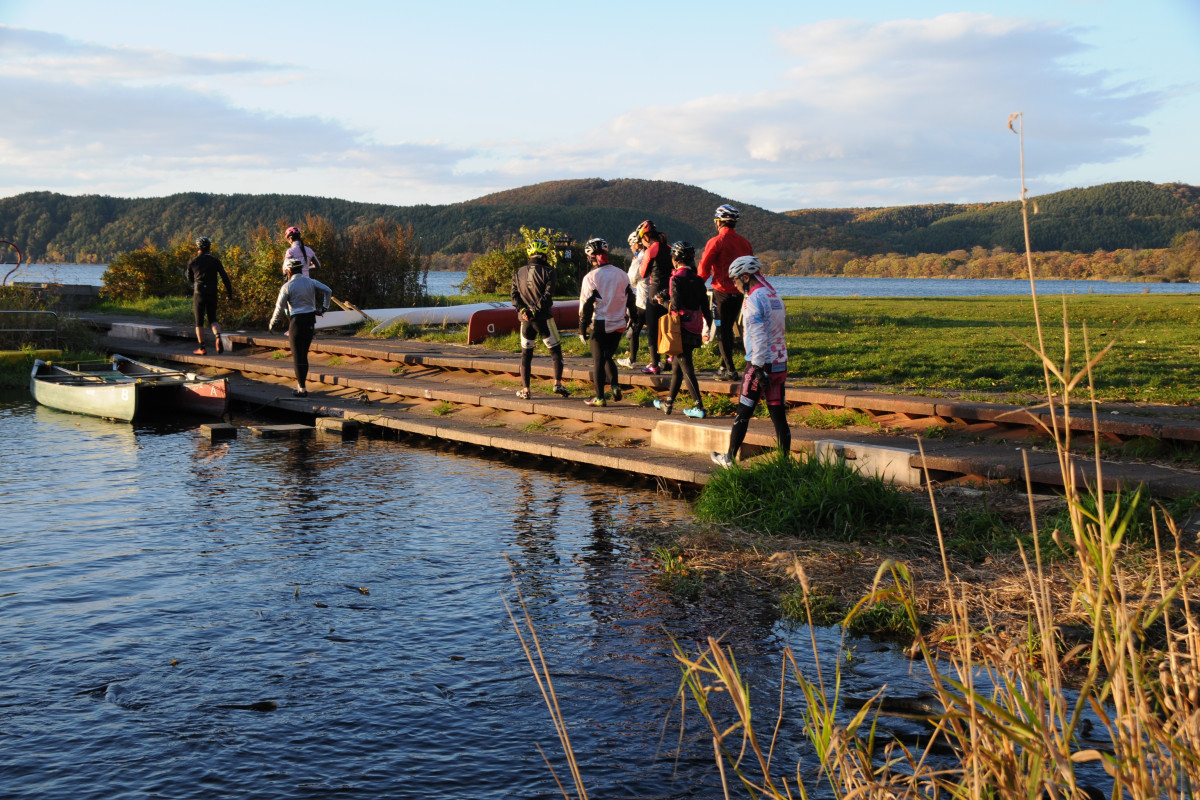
(783, 105)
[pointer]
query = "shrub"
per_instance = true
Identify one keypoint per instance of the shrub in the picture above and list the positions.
(805, 496)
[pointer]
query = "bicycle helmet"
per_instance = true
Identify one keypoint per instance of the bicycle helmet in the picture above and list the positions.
(203, 244)
(683, 252)
(633, 240)
(726, 213)
(292, 231)
(646, 230)
(744, 265)
(537, 247)
(595, 246)
(294, 265)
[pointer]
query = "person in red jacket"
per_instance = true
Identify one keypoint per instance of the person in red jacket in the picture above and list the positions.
(719, 253)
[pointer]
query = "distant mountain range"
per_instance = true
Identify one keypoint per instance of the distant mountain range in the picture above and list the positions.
(94, 228)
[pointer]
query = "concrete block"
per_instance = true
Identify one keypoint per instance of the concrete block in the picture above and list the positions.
(887, 463)
(140, 333)
(690, 437)
(282, 431)
(346, 428)
(218, 430)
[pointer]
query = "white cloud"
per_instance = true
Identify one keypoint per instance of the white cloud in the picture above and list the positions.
(897, 112)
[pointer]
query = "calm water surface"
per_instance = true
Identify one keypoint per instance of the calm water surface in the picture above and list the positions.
(150, 582)
(446, 283)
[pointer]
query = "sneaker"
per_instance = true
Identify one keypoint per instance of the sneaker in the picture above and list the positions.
(201, 351)
(695, 412)
(734, 376)
(653, 369)
(595, 401)
(721, 374)
(721, 459)
(299, 393)
(523, 394)
(220, 347)
(559, 389)
(617, 394)
(624, 362)
(663, 407)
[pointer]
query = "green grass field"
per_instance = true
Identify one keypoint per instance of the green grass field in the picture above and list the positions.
(933, 345)
(927, 345)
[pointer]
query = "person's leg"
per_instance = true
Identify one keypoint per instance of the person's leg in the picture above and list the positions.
(529, 337)
(777, 407)
(752, 386)
(635, 332)
(607, 355)
(597, 348)
(198, 317)
(653, 312)
(553, 342)
(684, 360)
(727, 308)
(300, 332)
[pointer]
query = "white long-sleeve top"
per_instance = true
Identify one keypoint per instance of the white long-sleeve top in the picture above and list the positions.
(607, 286)
(297, 296)
(764, 322)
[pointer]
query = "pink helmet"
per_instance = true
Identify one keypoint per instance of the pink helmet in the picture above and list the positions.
(292, 231)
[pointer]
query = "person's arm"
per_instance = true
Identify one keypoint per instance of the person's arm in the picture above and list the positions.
(279, 306)
(225, 279)
(711, 251)
(648, 259)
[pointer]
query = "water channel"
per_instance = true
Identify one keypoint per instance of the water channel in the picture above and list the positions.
(153, 585)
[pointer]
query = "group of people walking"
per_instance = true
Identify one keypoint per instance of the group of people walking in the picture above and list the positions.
(664, 291)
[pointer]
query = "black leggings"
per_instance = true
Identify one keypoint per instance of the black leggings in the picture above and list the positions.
(682, 369)
(751, 391)
(604, 346)
(300, 331)
(635, 331)
(726, 308)
(654, 311)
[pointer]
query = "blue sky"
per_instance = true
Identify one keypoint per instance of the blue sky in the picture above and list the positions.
(781, 104)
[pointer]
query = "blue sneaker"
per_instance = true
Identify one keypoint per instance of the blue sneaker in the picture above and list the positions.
(663, 407)
(695, 412)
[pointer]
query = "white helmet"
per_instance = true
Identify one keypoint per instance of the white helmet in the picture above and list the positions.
(595, 247)
(744, 265)
(633, 240)
(726, 213)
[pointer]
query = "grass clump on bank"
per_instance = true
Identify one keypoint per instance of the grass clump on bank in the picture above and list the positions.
(802, 495)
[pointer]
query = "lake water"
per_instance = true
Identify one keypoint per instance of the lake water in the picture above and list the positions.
(151, 582)
(446, 283)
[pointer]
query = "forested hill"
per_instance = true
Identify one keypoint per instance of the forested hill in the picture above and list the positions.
(55, 227)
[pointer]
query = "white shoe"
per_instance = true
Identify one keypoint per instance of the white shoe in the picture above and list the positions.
(721, 459)
(624, 362)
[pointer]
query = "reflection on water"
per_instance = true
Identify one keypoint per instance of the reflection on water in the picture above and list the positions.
(154, 585)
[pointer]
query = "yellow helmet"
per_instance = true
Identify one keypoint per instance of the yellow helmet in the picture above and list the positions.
(537, 247)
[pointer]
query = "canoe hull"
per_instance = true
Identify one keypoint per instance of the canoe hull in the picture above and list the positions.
(166, 391)
(83, 394)
(499, 321)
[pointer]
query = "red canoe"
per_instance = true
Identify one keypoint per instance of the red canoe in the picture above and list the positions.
(499, 321)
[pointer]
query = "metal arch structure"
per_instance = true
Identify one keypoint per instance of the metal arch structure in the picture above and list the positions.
(20, 256)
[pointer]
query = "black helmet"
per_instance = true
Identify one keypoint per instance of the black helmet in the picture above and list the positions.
(595, 246)
(683, 252)
(204, 244)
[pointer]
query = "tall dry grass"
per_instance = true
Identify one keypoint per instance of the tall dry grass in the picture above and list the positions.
(1015, 714)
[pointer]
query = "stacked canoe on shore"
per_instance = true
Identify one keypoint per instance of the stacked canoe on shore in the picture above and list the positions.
(124, 389)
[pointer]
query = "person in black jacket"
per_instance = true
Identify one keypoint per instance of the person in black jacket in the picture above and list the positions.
(687, 302)
(203, 272)
(533, 296)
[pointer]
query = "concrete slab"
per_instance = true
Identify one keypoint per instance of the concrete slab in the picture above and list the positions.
(282, 431)
(892, 464)
(137, 332)
(341, 426)
(218, 430)
(689, 437)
